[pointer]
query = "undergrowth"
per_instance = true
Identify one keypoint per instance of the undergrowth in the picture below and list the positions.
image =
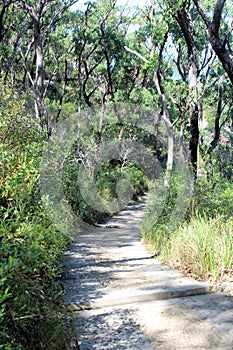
(31, 311)
(202, 247)
(32, 315)
(202, 243)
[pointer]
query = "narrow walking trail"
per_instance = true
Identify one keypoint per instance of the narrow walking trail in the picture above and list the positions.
(126, 299)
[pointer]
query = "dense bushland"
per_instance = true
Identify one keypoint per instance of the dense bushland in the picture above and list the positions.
(31, 312)
(107, 174)
(107, 178)
(32, 315)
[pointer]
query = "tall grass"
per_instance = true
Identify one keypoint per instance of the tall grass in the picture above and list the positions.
(203, 244)
(204, 247)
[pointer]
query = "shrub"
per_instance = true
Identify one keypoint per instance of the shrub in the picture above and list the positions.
(106, 184)
(29, 283)
(31, 313)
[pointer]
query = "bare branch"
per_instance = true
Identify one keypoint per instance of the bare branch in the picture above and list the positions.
(25, 67)
(203, 13)
(213, 32)
(136, 53)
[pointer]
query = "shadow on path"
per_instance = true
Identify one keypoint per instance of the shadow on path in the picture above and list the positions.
(128, 294)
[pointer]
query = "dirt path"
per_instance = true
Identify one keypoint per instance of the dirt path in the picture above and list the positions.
(125, 299)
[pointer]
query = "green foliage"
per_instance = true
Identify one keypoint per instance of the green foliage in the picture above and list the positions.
(29, 285)
(31, 314)
(74, 196)
(109, 175)
(106, 176)
(213, 199)
(202, 243)
(166, 210)
(106, 184)
(20, 145)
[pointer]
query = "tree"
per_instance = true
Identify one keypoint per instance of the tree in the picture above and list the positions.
(221, 46)
(155, 51)
(30, 36)
(186, 24)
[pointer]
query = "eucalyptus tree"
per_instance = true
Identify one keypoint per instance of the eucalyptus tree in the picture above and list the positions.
(171, 41)
(28, 46)
(98, 36)
(203, 49)
(186, 21)
(151, 42)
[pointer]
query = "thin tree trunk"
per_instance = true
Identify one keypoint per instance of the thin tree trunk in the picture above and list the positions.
(39, 69)
(166, 118)
(187, 27)
(165, 111)
(39, 77)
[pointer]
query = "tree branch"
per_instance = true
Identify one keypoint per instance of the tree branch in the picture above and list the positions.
(213, 33)
(136, 53)
(217, 16)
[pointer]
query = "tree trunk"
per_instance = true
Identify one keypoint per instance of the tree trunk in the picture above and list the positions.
(39, 70)
(187, 27)
(39, 78)
(169, 127)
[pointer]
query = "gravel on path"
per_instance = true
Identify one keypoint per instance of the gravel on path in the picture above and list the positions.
(115, 284)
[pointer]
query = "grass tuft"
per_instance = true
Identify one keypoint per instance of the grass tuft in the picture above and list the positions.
(203, 247)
